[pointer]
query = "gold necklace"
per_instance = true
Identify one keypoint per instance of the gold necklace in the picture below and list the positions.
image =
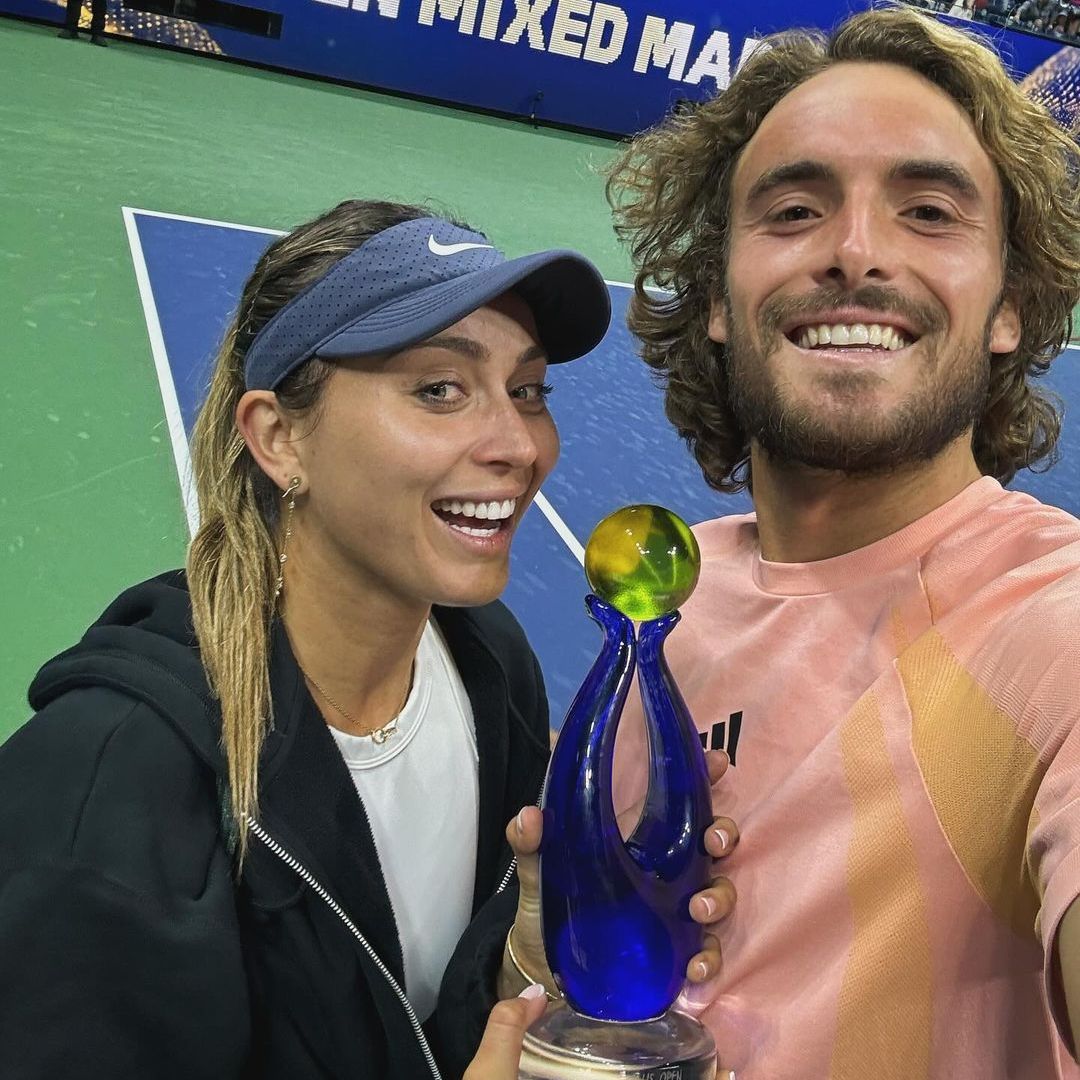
(380, 734)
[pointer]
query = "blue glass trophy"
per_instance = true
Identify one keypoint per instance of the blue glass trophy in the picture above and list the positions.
(615, 913)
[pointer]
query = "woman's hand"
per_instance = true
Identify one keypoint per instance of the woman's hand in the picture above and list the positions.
(500, 1049)
(525, 937)
(707, 907)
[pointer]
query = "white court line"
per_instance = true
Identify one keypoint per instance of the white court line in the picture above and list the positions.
(164, 373)
(201, 221)
(560, 527)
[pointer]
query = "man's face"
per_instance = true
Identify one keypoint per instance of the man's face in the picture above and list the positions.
(864, 273)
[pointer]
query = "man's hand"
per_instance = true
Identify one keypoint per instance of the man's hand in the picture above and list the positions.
(716, 902)
(500, 1049)
(707, 907)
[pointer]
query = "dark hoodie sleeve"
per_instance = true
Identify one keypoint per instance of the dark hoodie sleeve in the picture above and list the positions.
(468, 987)
(119, 950)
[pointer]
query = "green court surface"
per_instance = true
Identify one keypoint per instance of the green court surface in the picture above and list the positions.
(89, 500)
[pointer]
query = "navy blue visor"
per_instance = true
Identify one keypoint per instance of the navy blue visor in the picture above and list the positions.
(415, 279)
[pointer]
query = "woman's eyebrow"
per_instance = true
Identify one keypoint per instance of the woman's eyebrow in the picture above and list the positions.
(472, 348)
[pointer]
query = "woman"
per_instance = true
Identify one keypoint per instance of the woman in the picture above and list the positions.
(190, 885)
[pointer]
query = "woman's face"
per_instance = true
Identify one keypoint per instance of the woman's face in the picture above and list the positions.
(419, 466)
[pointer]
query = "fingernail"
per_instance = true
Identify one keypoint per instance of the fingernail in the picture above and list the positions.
(724, 838)
(707, 903)
(521, 822)
(700, 970)
(536, 990)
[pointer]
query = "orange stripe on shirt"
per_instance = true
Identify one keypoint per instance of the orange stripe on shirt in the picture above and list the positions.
(885, 1017)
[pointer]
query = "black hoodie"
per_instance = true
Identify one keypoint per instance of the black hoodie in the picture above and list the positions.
(127, 946)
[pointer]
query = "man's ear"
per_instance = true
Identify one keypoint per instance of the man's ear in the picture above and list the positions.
(718, 328)
(1005, 328)
(270, 436)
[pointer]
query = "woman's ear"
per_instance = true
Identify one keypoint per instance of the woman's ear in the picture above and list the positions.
(270, 435)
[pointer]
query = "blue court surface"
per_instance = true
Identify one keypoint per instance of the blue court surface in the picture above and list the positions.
(617, 446)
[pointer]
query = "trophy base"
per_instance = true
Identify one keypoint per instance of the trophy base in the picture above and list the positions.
(563, 1044)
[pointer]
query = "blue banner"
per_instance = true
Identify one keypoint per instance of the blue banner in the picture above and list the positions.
(604, 66)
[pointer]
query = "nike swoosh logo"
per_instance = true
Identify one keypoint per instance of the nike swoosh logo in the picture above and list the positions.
(450, 249)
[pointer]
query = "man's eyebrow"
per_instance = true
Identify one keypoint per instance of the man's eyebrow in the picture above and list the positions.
(472, 349)
(939, 172)
(793, 172)
(801, 172)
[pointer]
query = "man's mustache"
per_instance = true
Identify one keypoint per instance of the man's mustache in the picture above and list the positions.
(924, 318)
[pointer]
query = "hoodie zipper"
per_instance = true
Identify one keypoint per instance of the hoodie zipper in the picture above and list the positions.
(509, 874)
(313, 883)
(513, 861)
(310, 880)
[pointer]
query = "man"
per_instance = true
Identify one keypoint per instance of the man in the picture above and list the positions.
(872, 244)
(73, 12)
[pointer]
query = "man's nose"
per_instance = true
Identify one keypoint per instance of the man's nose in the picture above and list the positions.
(858, 249)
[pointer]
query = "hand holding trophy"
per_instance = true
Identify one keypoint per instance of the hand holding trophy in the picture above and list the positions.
(616, 925)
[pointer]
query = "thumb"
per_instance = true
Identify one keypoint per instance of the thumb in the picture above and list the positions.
(524, 833)
(500, 1049)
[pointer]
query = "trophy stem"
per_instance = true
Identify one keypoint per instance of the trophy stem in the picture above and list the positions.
(616, 921)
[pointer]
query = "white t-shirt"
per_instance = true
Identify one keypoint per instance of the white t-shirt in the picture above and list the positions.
(420, 790)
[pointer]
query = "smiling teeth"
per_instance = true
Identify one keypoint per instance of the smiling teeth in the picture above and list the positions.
(842, 334)
(482, 511)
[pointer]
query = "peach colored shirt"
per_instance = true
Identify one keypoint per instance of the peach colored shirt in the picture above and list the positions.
(907, 785)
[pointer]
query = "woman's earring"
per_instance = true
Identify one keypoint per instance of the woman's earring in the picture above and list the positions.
(290, 494)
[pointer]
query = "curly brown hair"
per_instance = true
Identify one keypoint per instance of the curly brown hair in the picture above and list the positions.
(671, 192)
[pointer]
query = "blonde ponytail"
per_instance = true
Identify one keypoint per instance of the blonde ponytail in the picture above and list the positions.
(231, 569)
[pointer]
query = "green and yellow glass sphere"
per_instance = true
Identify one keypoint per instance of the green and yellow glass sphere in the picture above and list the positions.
(643, 560)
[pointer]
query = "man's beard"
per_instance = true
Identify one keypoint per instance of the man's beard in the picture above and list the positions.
(851, 436)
